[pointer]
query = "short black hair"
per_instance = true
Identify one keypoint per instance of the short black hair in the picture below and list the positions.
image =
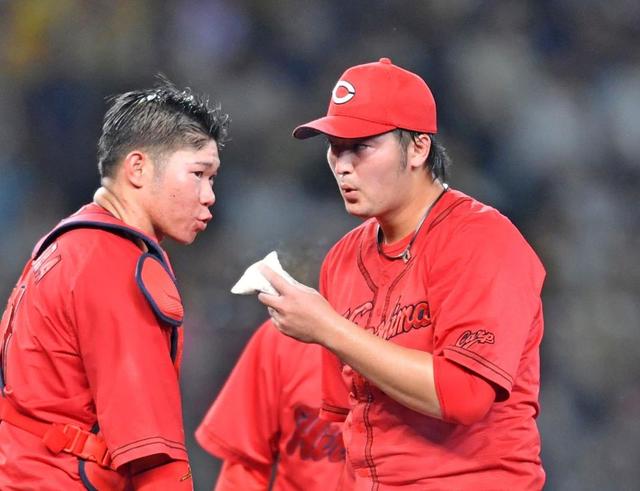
(438, 160)
(159, 119)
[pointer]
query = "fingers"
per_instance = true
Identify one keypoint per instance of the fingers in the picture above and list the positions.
(273, 313)
(277, 281)
(275, 317)
(268, 299)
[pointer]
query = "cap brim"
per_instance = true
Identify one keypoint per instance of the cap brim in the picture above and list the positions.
(341, 127)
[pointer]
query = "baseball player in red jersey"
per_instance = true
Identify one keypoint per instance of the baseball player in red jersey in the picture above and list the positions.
(91, 336)
(267, 415)
(430, 309)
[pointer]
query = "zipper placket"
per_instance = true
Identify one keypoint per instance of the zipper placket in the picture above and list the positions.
(369, 441)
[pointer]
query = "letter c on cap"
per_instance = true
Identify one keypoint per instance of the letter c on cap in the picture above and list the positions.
(351, 91)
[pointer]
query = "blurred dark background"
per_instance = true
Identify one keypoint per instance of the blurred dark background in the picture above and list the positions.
(539, 106)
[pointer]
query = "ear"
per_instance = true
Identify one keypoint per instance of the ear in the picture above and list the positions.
(137, 168)
(418, 150)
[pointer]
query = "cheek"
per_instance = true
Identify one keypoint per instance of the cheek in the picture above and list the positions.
(383, 187)
(178, 198)
(184, 190)
(375, 181)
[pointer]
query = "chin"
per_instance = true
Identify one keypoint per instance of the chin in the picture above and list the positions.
(353, 209)
(185, 239)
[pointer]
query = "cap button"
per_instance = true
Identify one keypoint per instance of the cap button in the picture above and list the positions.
(385, 60)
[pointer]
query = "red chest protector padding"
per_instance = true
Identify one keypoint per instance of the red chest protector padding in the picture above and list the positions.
(153, 272)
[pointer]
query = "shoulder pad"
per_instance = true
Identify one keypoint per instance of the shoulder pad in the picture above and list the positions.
(159, 287)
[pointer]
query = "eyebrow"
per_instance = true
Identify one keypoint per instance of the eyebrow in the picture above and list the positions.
(338, 141)
(206, 164)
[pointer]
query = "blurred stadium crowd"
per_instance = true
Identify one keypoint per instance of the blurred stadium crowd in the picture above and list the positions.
(539, 106)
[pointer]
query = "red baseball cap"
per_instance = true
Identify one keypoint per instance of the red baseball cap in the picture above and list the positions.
(372, 99)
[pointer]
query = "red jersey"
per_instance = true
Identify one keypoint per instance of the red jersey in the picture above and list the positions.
(87, 349)
(470, 292)
(267, 412)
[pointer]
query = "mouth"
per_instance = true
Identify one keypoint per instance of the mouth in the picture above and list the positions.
(349, 193)
(201, 224)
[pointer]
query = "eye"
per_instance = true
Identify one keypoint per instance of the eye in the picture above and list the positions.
(212, 180)
(199, 174)
(338, 149)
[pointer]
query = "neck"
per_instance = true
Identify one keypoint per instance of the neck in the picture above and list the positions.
(120, 206)
(406, 220)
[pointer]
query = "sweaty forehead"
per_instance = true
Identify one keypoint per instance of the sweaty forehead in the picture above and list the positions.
(208, 152)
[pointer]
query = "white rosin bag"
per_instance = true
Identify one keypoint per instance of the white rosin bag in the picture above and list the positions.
(253, 281)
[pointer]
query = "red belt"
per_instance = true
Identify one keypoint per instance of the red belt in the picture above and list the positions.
(59, 437)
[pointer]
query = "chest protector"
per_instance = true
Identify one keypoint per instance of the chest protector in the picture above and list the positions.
(156, 281)
(153, 275)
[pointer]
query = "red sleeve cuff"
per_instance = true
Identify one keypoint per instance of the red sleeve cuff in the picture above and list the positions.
(475, 363)
(332, 413)
(146, 447)
(221, 450)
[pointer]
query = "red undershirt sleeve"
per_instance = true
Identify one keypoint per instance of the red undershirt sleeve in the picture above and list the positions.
(172, 476)
(465, 398)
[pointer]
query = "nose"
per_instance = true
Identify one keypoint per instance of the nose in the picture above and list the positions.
(207, 196)
(340, 161)
(343, 166)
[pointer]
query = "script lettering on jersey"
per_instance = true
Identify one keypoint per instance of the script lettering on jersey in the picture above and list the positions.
(403, 318)
(357, 315)
(45, 262)
(469, 338)
(315, 438)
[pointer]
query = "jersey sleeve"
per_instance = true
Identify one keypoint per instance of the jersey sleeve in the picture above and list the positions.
(236, 475)
(335, 395)
(126, 355)
(484, 291)
(243, 422)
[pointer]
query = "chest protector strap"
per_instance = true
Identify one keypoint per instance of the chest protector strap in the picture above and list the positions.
(59, 437)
